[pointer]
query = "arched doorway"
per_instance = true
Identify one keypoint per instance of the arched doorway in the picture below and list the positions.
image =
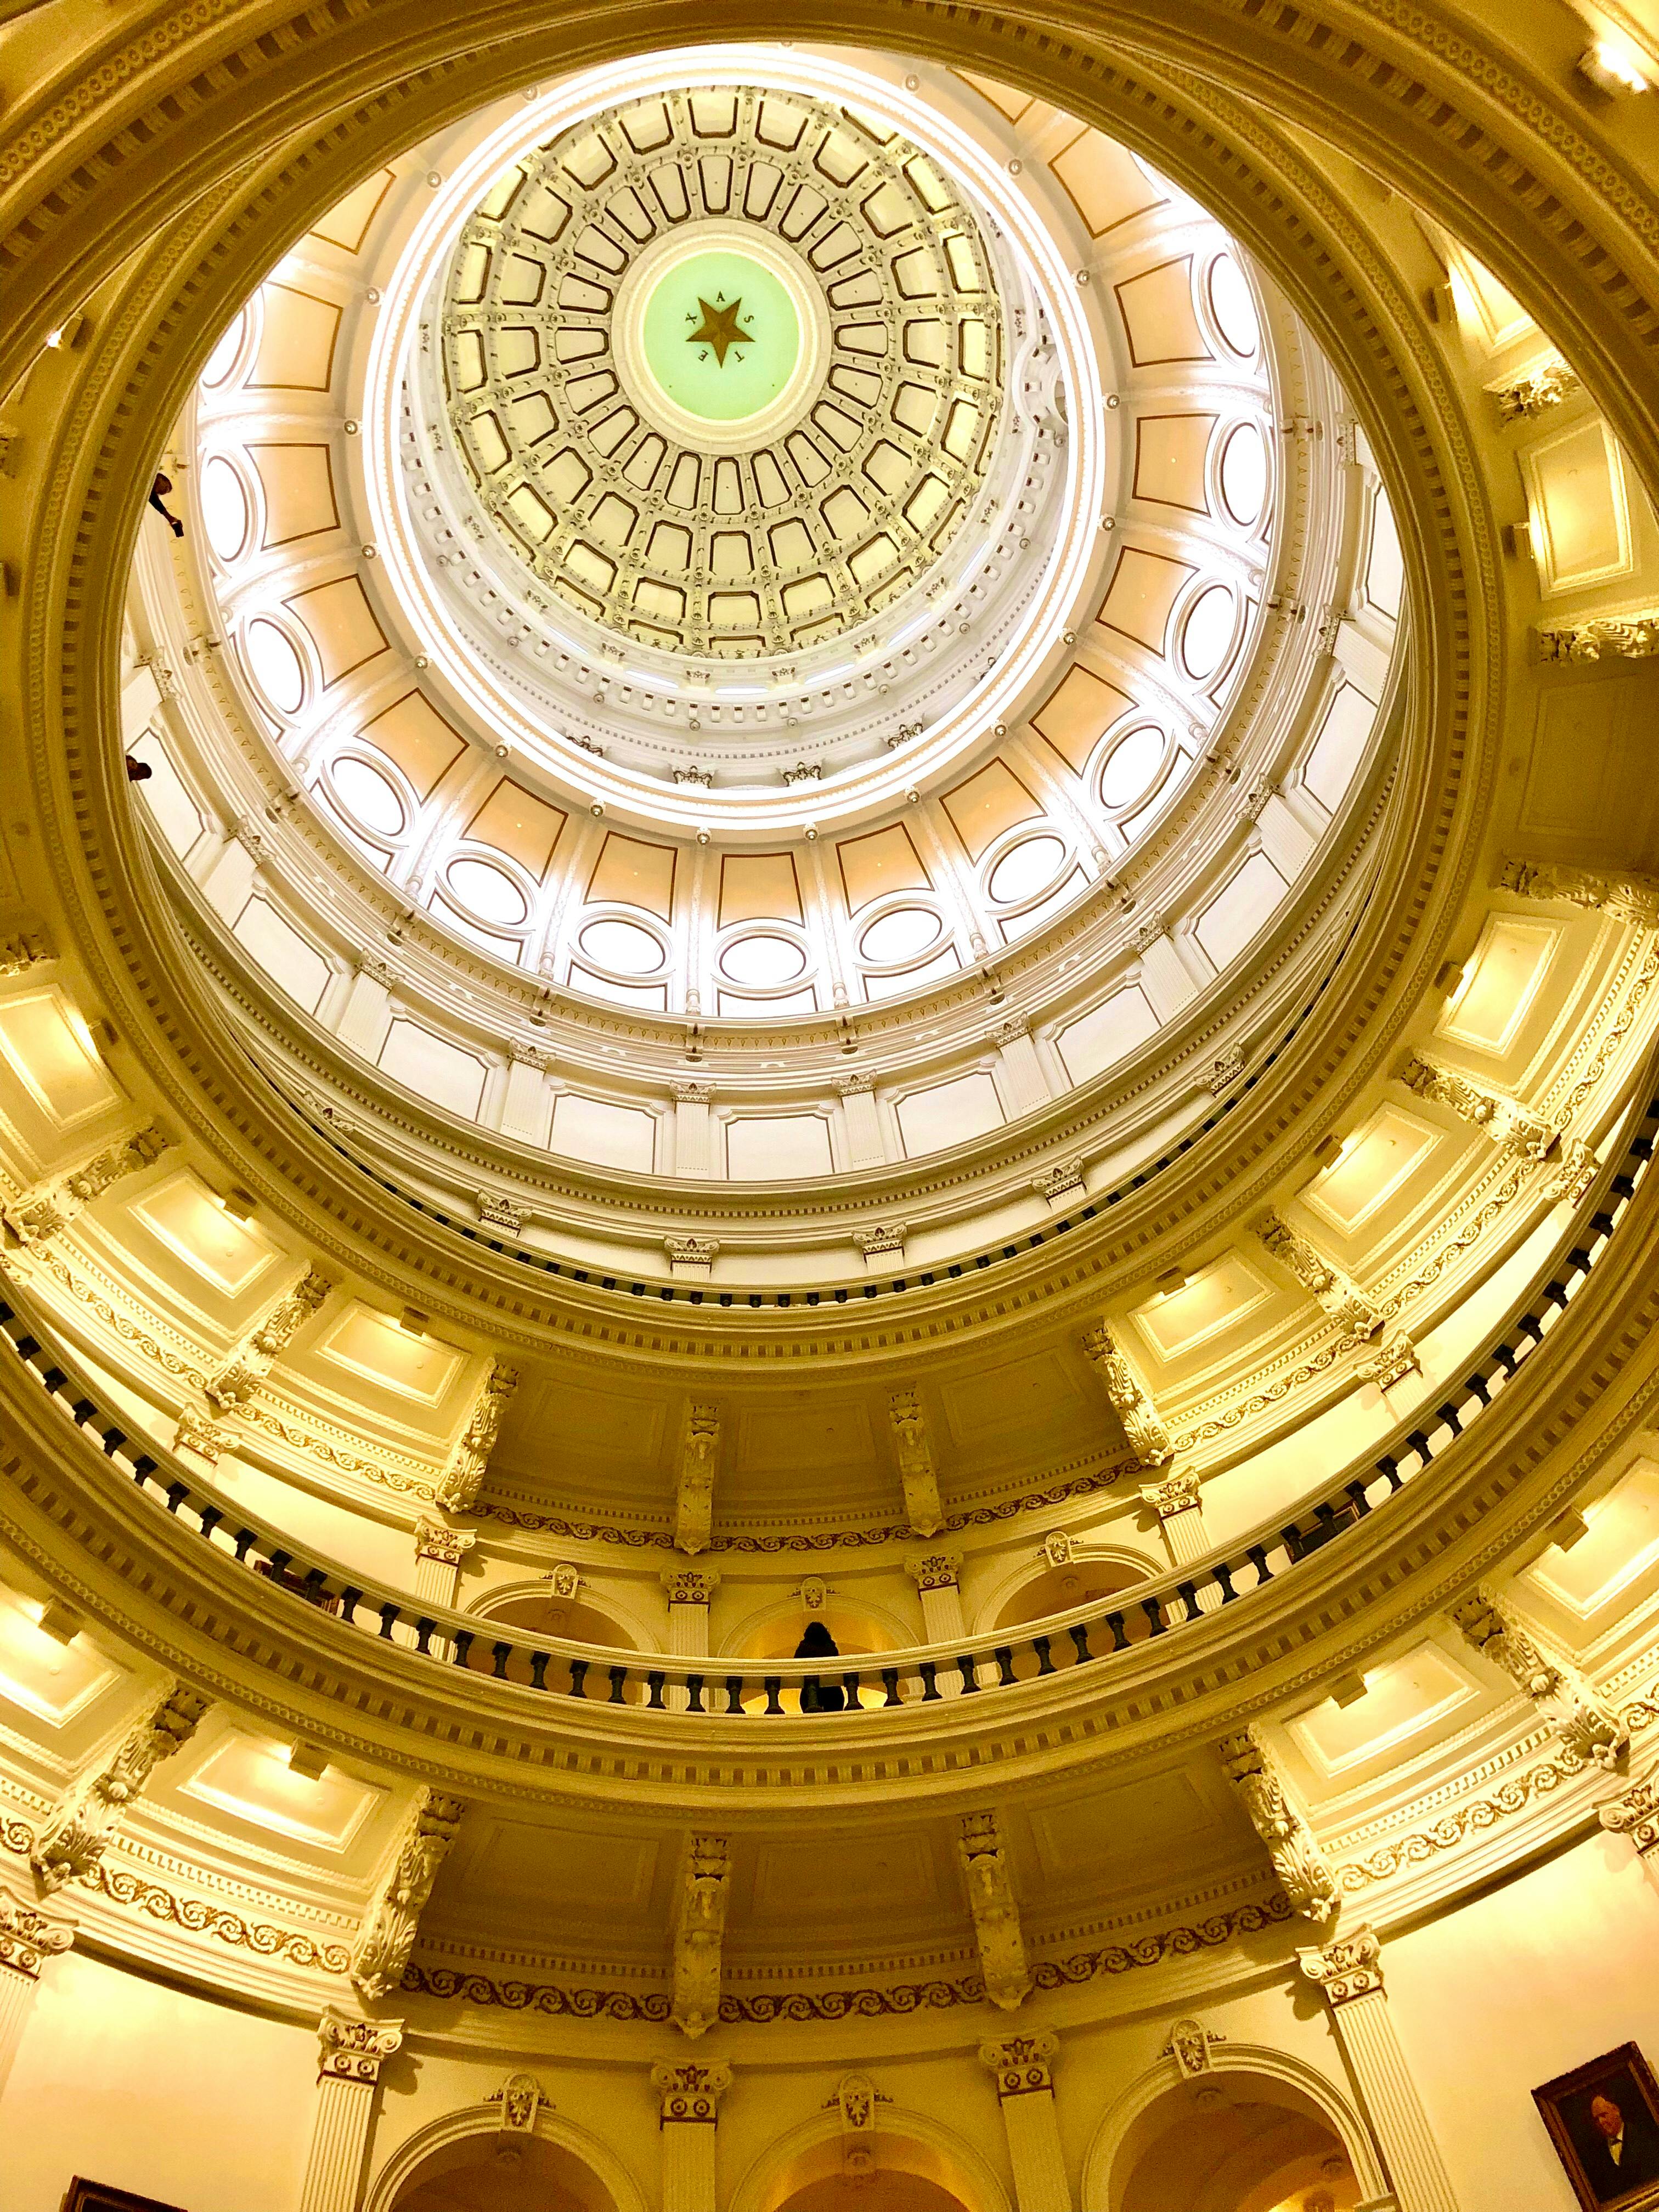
(491, 2173)
(891, 2191)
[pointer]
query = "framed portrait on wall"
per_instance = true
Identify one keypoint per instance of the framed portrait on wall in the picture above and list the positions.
(1603, 2120)
(84, 2195)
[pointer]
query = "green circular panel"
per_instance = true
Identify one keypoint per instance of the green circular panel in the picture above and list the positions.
(721, 335)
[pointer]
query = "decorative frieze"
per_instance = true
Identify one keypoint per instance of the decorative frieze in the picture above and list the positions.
(1023, 2065)
(1060, 1185)
(387, 1941)
(46, 1214)
(694, 1478)
(76, 1837)
(691, 1255)
(1505, 1120)
(885, 1242)
(1586, 1724)
(1148, 1438)
(689, 2091)
(1305, 1873)
(463, 1478)
(1625, 897)
(699, 1932)
(252, 1360)
(1602, 637)
(353, 2050)
(990, 1900)
(1540, 390)
(922, 1504)
(1339, 1295)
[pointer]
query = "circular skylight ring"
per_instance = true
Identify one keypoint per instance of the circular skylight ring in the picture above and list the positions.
(1232, 306)
(901, 934)
(487, 892)
(227, 511)
(276, 665)
(1242, 475)
(764, 960)
(1026, 869)
(618, 946)
(1207, 632)
(1131, 768)
(368, 796)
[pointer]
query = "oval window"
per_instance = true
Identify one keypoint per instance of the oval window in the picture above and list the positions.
(1233, 307)
(1130, 767)
(762, 961)
(1026, 869)
(368, 796)
(224, 508)
(487, 891)
(899, 935)
(622, 946)
(1208, 631)
(222, 358)
(1245, 474)
(275, 667)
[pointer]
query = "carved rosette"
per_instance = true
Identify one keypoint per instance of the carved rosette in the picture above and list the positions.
(1346, 1968)
(28, 1936)
(923, 1506)
(350, 2049)
(1023, 2065)
(387, 1941)
(691, 2091)
(1148, 1438)
(459, 1487)
(1305, 1873)
(76, 1838)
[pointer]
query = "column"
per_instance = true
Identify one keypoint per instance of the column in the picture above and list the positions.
(689, 1590)
(525, 1109)
(1349, 1971)
(350, 2054)
(862, 1123)
(1019, 1074)
(29, 1938)
(934, 1574)
(1163, 974)
(439, 1551)
(690, 2092)
(1178, 1503)
(1023, 2067)
(694, 1129)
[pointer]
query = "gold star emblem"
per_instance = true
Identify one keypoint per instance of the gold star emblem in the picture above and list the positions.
(718, 329)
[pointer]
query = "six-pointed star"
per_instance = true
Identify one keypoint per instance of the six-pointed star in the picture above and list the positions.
(718, 329)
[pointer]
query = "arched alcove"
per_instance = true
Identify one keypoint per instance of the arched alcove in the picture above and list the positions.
(1059, 1589)
(522, 1615)
(920, 2166)
(466, 2162)
(1255, 2130)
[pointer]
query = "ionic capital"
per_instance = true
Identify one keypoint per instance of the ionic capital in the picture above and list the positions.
(1022, 2064)
(1347, 1968)
(353, 2050)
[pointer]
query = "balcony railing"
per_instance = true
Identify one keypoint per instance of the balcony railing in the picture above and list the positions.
(1090, 1635)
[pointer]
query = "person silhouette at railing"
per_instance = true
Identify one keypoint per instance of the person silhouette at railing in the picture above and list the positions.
(819, 1643)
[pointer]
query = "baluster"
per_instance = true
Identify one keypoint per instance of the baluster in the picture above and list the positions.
(774, 1702)
(1150, 1607)
(500, 1653)
(1078, 1633)
(618, 1684)
(1044, 1657)
(176, 1493)
(654, 1683)
(968, 1672)
(423, 1636)
(1258, 1558)
(850, 1683)
(929, 1670)
(1188, 1592)
(734, 1694)
(693, 1694)
(388, 1615)
(1004, 1659)
(538, 1665)
(1222, 1575)
(890, 1676)
(209, 1518)
(1119, 1641)
(351, 1598)
(462, 1646)
(578, 1676)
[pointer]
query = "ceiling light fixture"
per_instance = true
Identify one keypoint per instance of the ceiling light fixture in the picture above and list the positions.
(1611, 69)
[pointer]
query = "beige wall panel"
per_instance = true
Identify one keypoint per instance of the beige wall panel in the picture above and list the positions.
(886, 860)
(1613, 1568)
(1037, 1398)
(632, 873)
(1007, 100)
(759, 887)
(49, 1682)
(607, 1136)
(297, 334)
(58, 1085)
(230, 1258)
(1385, 568)
(1390, 1154)
(1170, 455)
(1589, 784)
(1159, 320)
(1411, 1703)
(1210, 1307)
(1077, 711)
(1082, 1838)
(174, 813)
(433, 1068)
(1104, 182)
(413, 734)
(1239, 908)
(809, 1429)
(1504, 977)
(277, 947)
(298, 481)
(1102, 1037)
(952, 1113)
(525, 828)
(1577, 507)
(990, 801)
(387, 1362)
(601, 1425)
(341, 625)
(1339, 746)
(247, 1776)
(346, 224)
(761, 1147)
(1144, 588)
